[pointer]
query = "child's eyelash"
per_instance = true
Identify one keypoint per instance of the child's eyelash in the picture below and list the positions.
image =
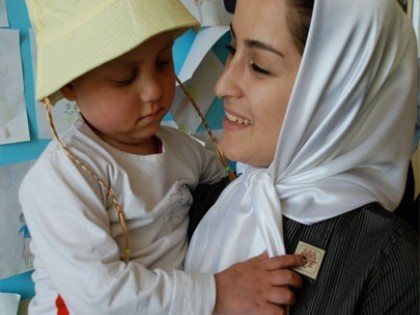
(125, 81)
(163, 62)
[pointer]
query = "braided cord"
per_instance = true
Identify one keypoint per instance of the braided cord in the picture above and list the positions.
(121, 218)
(219, 152)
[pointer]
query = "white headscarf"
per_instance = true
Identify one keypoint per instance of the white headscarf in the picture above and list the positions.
(345, 141)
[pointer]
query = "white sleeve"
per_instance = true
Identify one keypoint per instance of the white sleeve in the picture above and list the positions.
(64, 209)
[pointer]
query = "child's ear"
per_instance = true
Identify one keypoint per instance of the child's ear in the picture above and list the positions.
(69, 92)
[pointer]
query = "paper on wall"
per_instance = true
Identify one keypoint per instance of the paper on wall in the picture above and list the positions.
(203, 42)
(200, 88)
(64, 112)
(13, 118)
(14, 234)
(208, 12)
(9, 303)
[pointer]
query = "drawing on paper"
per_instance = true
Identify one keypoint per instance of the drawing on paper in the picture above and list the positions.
(64, 114)
(13, 120)
(26, 253)
(14, 234)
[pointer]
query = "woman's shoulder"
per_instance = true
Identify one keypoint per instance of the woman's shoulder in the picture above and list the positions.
(368, 229)
(370, 263)
(373, 219)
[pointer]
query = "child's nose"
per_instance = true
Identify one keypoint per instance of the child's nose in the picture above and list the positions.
(150, 88)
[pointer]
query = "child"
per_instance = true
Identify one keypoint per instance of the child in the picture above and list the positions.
(128, 179)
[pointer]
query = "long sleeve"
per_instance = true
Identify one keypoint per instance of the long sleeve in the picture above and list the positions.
(74, 248)
(77, 240)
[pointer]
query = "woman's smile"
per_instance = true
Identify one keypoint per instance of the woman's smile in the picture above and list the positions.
(238, 120)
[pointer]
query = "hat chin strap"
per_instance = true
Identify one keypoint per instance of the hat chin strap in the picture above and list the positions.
(220, 154)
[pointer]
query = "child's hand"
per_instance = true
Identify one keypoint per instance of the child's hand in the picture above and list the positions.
(260, 285)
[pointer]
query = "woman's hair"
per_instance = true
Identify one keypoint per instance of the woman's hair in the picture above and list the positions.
(299, 20)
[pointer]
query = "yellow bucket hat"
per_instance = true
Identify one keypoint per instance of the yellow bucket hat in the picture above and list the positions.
(74, 37)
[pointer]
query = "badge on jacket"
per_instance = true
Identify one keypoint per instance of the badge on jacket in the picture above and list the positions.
(314, 256)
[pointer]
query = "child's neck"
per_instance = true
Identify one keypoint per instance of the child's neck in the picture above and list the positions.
(152, 145)
(147, 147)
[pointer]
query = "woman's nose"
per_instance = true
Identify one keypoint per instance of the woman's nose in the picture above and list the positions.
(228, 83)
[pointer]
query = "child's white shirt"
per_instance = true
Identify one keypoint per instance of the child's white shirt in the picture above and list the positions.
(77, 240)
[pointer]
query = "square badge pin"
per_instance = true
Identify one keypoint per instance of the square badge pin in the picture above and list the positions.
(314, 256)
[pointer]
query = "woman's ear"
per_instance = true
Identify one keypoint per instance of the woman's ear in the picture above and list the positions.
(69, 92)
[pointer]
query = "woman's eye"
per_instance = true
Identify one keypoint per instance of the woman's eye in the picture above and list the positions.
(258, 69)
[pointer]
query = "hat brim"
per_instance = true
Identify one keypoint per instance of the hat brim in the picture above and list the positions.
(105, 37)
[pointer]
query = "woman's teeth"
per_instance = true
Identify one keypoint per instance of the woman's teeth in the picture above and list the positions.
(242, 121)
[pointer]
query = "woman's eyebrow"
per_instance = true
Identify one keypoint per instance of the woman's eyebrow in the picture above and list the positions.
(256, 44)
(251, 43)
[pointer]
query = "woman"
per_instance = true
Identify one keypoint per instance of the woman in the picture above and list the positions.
(320, 101)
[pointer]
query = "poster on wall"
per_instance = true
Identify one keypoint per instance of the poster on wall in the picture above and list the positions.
(14, 234)
(13, 119)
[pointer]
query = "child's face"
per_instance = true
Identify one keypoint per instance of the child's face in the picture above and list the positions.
(125, 99)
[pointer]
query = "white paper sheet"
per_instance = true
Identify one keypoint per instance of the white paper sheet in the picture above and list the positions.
(64, 112)
(14, 236)
(201, 89)
(203, 42)
(9, 303)
(13, 118)
(208, 12)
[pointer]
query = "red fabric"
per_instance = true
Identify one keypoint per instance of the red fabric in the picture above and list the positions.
(61, 306)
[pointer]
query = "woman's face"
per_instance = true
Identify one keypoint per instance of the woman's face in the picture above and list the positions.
(257, 81)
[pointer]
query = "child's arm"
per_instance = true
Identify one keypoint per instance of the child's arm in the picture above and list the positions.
(77, 257)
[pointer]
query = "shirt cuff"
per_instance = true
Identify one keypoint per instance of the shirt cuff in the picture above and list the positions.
(198, 292)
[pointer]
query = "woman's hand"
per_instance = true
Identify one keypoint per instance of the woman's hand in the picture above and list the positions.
(260, 285)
